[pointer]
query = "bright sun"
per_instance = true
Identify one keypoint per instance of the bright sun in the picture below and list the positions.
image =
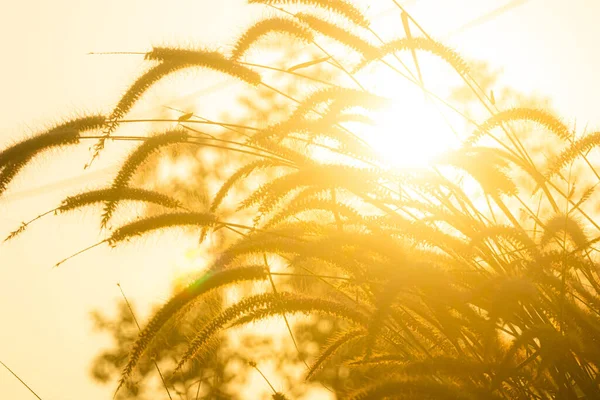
(410, 133)
(415, 127)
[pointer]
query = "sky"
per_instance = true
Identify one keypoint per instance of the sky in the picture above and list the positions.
(542, 46)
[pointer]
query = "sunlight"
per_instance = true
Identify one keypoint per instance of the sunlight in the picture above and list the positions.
(412, 130)
(312, 198)
(410, 133)
(169, 169)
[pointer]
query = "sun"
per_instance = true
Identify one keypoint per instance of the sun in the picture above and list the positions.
(415, 126)
(410, 133)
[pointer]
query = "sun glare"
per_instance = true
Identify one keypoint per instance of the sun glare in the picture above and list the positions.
(412, 130)
(410, 133)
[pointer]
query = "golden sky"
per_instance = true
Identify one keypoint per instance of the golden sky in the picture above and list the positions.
(546, 46)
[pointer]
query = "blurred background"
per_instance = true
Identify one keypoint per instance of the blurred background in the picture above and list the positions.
(547, 48)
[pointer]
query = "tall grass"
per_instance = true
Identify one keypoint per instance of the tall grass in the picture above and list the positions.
(476, 277)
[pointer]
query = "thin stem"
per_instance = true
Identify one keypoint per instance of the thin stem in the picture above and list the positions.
(201, 143)
(140, 329)
(285, 71)
(189, 121)
(79, 252)
(253, 365)
(20, 380)
(287, 323)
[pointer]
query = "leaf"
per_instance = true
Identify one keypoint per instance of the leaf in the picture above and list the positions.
(406, 27)
(185, 117)
(308, 64)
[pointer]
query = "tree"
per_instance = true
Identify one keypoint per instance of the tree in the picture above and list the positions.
(473, 278)
(231, 364)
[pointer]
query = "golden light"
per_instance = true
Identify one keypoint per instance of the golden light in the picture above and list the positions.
(414, 128)
(410, 133)
(178, 169)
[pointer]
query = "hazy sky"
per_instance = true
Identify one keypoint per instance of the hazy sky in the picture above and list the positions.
(547, 46)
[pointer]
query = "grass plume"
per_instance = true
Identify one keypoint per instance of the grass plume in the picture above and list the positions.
(266, 26)
(340, 7)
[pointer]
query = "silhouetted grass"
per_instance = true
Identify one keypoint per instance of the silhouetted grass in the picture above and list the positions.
(473, 278)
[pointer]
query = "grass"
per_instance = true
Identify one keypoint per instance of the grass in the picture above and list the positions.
(475, 277)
